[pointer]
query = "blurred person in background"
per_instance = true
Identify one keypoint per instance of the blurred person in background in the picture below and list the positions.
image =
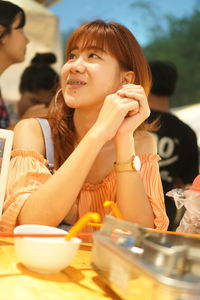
(177, 142)
(13, 44)
(39, 83)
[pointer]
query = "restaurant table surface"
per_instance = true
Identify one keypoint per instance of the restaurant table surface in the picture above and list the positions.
(77, 281)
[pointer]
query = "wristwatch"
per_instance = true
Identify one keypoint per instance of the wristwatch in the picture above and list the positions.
(133, 165)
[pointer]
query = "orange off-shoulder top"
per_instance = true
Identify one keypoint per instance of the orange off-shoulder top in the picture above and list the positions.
(28, 171)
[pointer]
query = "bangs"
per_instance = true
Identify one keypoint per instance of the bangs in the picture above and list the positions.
(87, 40)
(97, 35)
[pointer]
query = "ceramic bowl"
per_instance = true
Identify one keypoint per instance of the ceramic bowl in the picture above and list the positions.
(44, 255)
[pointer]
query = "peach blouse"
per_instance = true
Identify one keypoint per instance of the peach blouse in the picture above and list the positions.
(28, 171)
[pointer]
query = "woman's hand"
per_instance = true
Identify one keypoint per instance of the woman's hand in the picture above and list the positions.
(134, 118)
(112, 114)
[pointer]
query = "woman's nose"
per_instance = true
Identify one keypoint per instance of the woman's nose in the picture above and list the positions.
(78, 65)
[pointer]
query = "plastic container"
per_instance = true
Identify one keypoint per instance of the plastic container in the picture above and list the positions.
(140, 264)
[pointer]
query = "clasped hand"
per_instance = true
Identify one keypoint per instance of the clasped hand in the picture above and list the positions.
(123, 112)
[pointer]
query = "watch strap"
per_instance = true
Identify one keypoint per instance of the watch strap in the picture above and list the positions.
(126, 167)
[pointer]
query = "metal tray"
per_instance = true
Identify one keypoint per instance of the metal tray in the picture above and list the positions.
(132, 259)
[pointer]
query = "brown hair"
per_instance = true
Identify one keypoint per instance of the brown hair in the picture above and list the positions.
(119, 42)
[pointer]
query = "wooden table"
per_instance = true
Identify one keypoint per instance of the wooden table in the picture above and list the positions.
(78, 281)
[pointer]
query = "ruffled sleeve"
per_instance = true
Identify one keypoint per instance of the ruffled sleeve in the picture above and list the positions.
(153, 187)
(28, 171)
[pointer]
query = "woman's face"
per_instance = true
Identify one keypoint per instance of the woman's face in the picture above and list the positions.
(14, 44)
(88, 76)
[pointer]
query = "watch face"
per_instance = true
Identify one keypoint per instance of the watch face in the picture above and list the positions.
(137, 163)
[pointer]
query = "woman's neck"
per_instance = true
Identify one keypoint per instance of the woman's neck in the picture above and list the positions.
(84, 119)
(4, 64)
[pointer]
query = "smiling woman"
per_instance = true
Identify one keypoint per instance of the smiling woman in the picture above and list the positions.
(96, 128)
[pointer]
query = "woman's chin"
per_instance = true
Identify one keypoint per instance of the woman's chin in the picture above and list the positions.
(71, 102)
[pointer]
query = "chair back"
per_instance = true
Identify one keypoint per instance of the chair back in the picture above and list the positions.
(6, 141)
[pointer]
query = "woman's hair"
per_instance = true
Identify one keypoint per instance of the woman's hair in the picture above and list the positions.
(8, 14)
(40, 76)
(119, 42)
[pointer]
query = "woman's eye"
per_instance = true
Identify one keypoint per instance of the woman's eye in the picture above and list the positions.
(93, 55)
(71, 56)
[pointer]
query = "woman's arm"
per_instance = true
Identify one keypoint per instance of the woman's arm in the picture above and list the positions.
(131, 197)
(53, 200)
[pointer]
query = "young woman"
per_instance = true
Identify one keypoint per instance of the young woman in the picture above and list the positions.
(97, 130)
(13, 43)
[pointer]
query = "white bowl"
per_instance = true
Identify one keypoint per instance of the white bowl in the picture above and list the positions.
(44, 255)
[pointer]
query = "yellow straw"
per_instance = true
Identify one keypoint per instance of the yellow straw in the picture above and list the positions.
(81, 223)
(114, 208)
(94, 224)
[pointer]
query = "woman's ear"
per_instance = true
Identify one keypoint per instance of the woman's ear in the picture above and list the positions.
(128, 77)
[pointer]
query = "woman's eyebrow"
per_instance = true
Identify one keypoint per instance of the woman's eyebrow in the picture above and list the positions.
(96, 48)
(88, 48)
(73, 48)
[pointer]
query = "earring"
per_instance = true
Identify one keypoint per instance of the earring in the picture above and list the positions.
(56, 97)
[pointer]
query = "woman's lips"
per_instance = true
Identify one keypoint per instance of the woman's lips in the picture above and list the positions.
(73, 84)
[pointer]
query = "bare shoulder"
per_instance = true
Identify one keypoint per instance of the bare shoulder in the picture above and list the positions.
(28, 136)
(145, 143)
